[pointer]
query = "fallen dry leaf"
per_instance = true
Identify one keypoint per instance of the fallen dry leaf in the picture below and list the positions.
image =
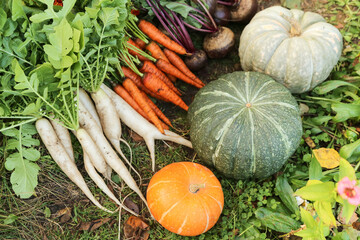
(64, 214)
(130, 204)
(135, 228)
(327, 157)
(310, 142)
(356, 225)
(352, 220)
(95, 224)
(136, 137)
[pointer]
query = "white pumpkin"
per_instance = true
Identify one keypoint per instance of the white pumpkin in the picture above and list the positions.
(298, 49)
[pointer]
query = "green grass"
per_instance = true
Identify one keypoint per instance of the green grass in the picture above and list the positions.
(36, 217)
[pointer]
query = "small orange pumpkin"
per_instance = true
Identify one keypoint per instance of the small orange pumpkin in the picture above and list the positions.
(185, 198)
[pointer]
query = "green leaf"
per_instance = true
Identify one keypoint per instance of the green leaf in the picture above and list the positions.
(92, 12)
(315, 170)
(348, 210)
(31, 154)
(286, 194)
(347, 150)
(109, 16)
(276, 221)
(30, 109)
(330, 85)
(24, 175)
(3, 18)
(179, 8)
(341, 236)
(324, 211)
(345, 111)
(307, 218)
(10, 219)
(346, 170)
(61, 44)
(47, 212)
(317, 192)
(17, 10)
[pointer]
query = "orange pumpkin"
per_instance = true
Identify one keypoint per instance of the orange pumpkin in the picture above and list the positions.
(185, 198)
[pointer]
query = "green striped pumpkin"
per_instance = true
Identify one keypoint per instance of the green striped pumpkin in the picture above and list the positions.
(298, 49)
(245, 124)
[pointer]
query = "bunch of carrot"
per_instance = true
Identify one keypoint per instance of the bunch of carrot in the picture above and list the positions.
(155, 75)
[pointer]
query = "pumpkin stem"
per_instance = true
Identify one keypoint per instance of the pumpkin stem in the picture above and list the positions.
(295, 29)
(194, 188)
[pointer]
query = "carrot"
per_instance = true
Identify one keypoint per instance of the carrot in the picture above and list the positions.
(156, 35)
(149, 67)
(136, 94)
(133, 52)
(141, 126)
(169, 68)
(171, 77)
(152, 82)
(158, 112)
(137, 80)
(121, 91)
(175, 60)
(140, 43)
(156, 51)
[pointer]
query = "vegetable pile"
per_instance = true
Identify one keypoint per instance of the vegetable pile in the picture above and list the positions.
(55, 81)
(75, 74)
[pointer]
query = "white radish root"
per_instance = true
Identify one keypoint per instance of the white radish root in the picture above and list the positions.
(89, 124)
(110, 122)
(64, 137)
(92, 150)
(88, 103)
(142, 126)
(90, 169)
(60, 156)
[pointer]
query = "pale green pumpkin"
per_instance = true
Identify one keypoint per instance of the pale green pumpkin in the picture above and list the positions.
(298, 49)
(245, 124)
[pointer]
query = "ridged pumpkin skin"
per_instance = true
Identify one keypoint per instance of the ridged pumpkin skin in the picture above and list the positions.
(175, 203)
(245, 124)
(298, 49)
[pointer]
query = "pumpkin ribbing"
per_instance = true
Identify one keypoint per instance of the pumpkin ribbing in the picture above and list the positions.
(298, 49)
(245, 124)
(186, 198)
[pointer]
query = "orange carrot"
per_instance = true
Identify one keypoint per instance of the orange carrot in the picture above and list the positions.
(171, 77)
(152, 82)
(156, 35)
(169, 68)
(175, 60)
(149, 67)
(156, 51)
(127, 98)
(133, 52)
(158, 112)
(137, 80)
(140, 43)
(138, 97)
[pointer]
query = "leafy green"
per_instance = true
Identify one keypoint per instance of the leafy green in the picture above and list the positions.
(21, 159)
(286, 194)
(316, 191)
(276, 221)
